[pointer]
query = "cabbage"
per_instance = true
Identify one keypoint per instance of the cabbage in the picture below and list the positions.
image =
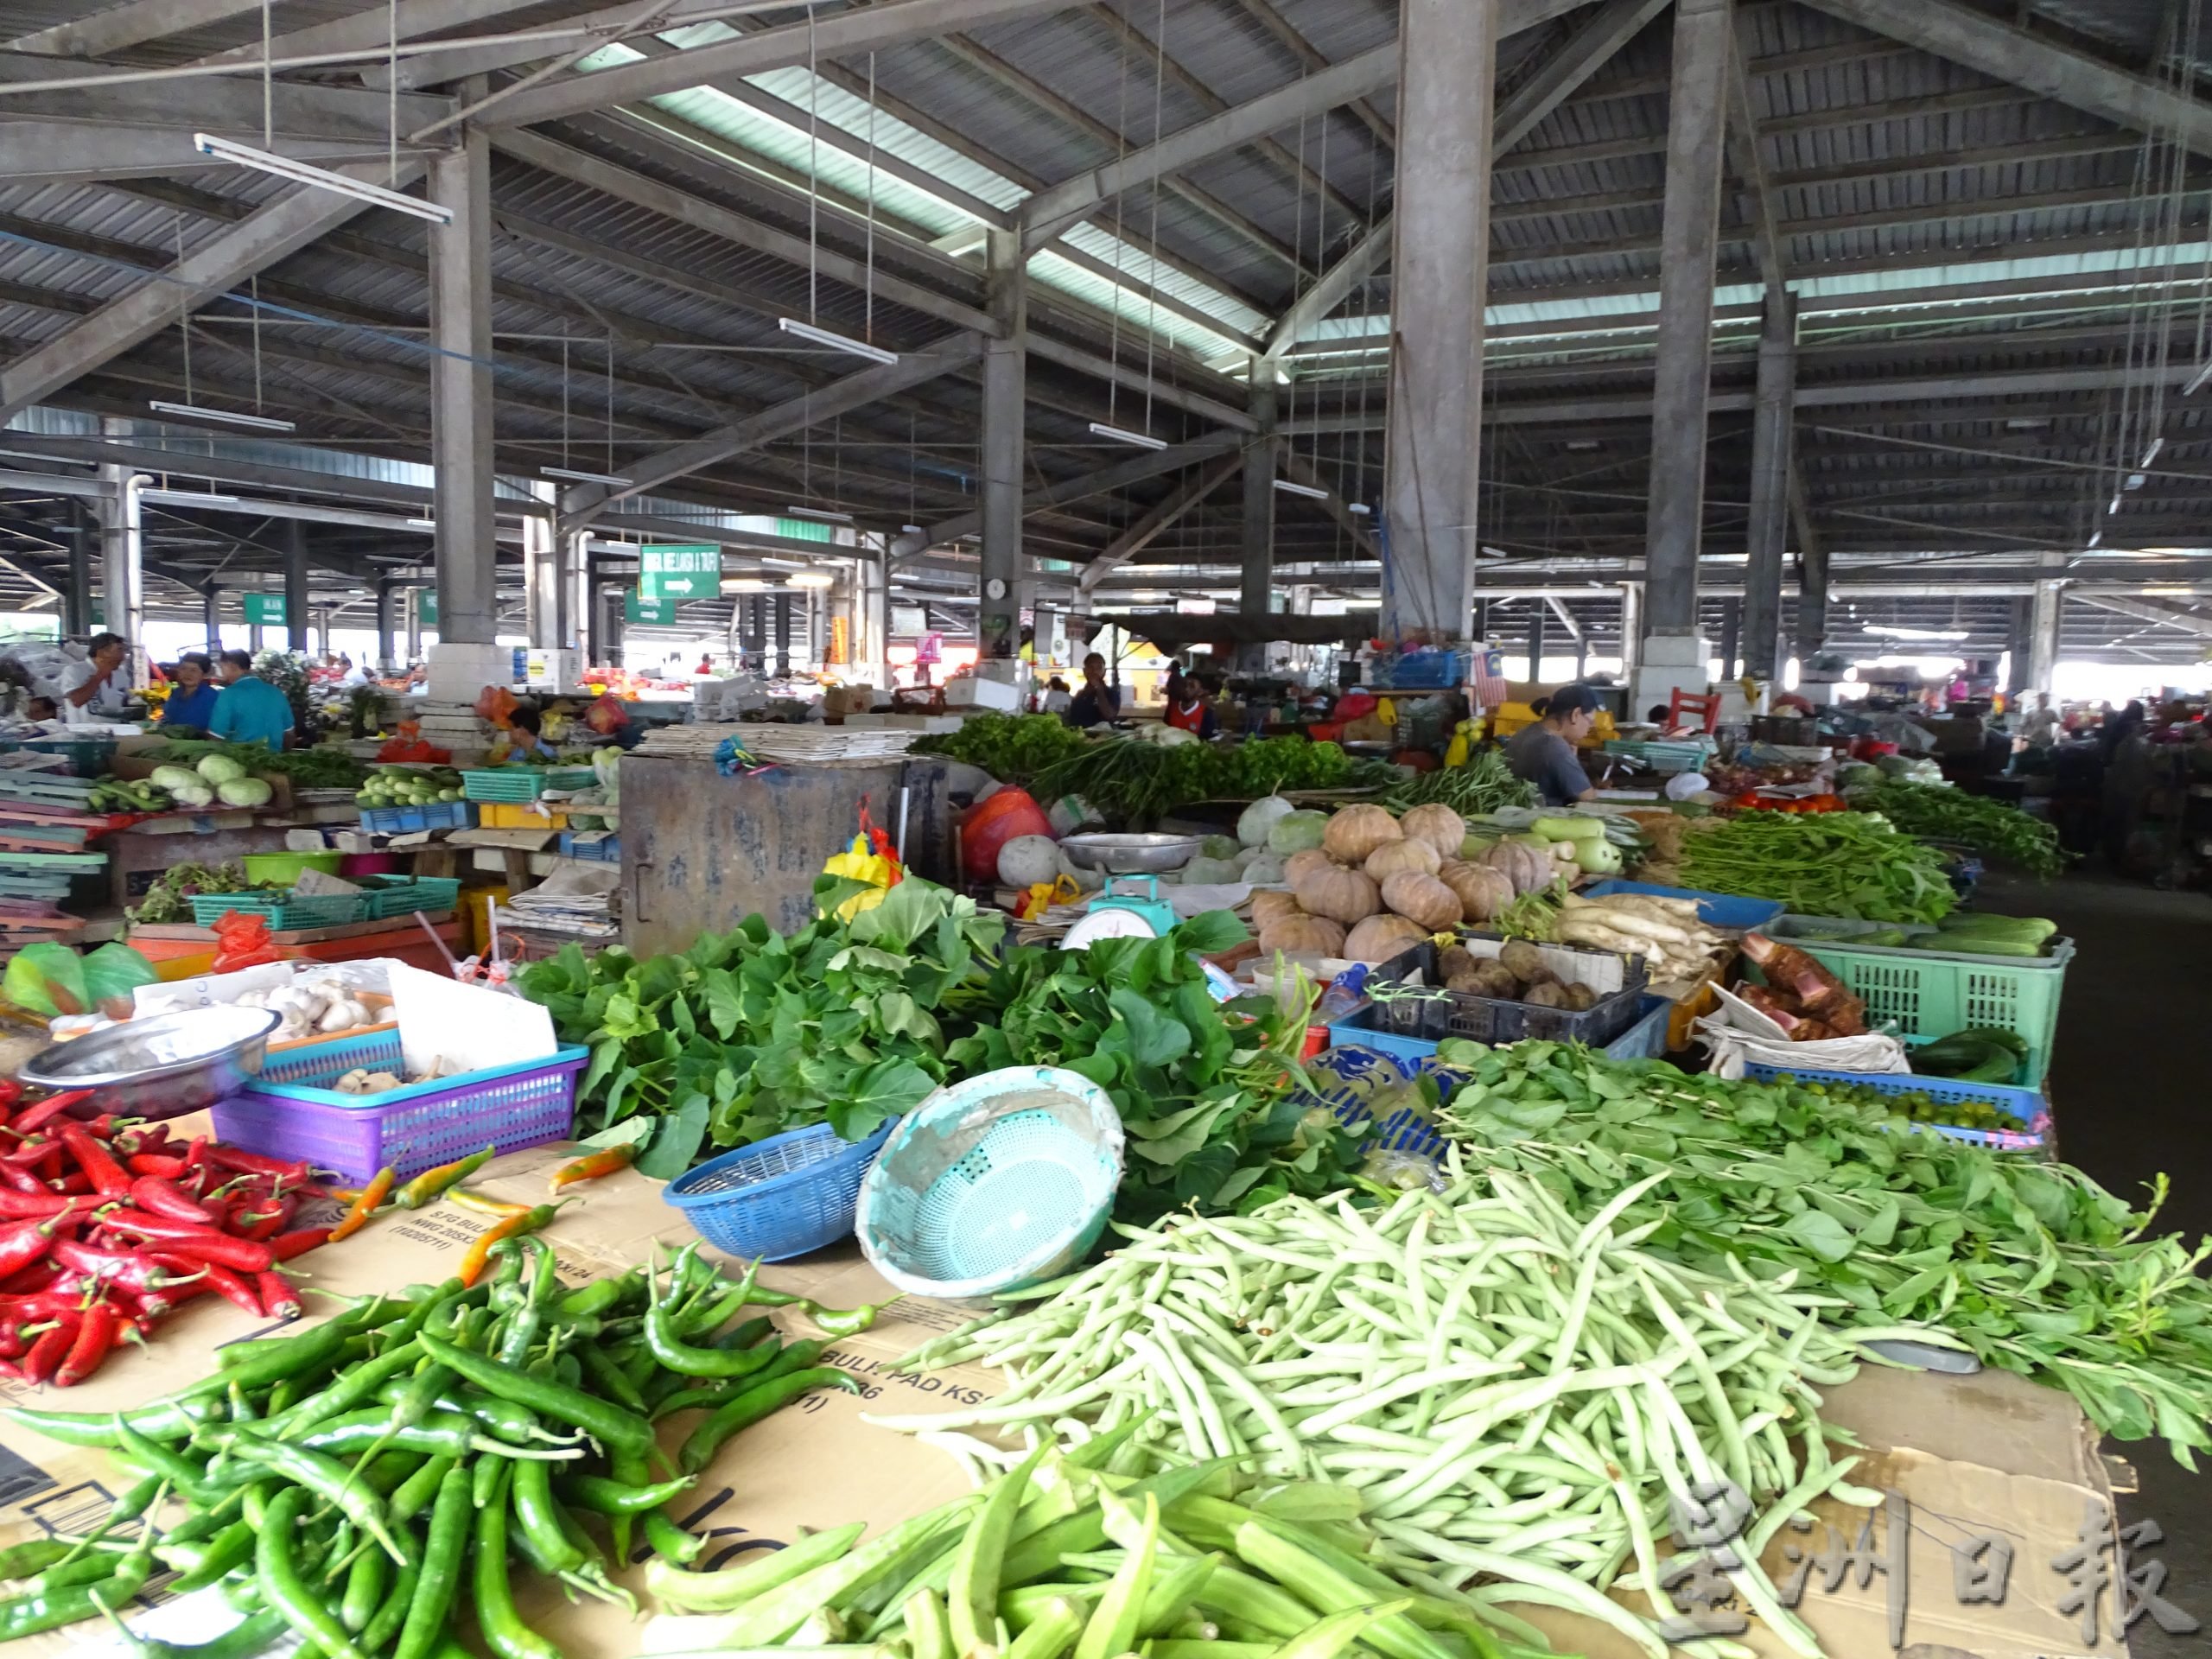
(220, 769)
(1296, 832)
(192, 795)
(1205, 872)
(1027, 860)
(1218, 847)
(1254, 822)
(245, 791)
(174, 777)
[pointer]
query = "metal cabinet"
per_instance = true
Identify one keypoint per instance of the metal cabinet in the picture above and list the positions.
(700, 851)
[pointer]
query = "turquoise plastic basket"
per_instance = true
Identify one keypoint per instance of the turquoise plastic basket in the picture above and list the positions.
(402, 895)
(513, 784)
(780, 1197)
(993, 1183)
(282, 910)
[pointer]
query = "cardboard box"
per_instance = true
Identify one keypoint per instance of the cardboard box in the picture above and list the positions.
(1990, 1454)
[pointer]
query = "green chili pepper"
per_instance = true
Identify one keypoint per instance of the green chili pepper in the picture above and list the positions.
(610, 1424)
(326, 1477)
(439, 1583)
(304, 1607)
(795, 1357)
(538, 1523)
(365, 1583)
(227, 1549)
(357, 1387)
(669, 1542)
(392, 1611)
(610, 1378)
(603, 1496)
(601, 1296)
(432, 1182)
(255, 1633)
(502, 1626)
(33, 1555)
(416, 1492)
(30, 1615)
(848, 1321)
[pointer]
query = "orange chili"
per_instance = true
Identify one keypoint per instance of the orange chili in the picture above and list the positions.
(482, 1206)
(592, 1165)
(370, 1196)
(476, 1258)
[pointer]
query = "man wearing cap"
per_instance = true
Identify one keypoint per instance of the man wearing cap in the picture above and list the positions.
(1544, 753)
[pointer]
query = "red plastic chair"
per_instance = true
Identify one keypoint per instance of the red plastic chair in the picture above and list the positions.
(1702, 707)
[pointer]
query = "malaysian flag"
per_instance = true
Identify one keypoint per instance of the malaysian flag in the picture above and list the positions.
(1489, 684)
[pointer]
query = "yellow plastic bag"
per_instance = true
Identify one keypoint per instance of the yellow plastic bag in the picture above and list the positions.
(863, 863)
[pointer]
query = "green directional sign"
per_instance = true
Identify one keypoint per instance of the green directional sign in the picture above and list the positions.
(637, 608)
(264, 609)
(679, 570)
(426, 609)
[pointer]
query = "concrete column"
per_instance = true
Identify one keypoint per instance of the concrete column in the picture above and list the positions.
(1812, 600)
(1447, 58)
(1539, 616)
(2048, 606)
(782, 633)
(541, 582)
(1772, 422)
(414, 625)
(1730, 627)
(384, 626)
(1256, 593)
(2019, 648)
(123, 592)
(998, 618)
(460, 418)
(1581, 656)
(84, 539)
(211, 615)
(1673, 655)
(294, 535)
(1631, 631)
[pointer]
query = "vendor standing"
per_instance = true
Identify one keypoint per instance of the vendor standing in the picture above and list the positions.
(1097, 702)
(1543, 753)
(250, 709)
(192, 703)
(1190, 708)
(105, 654)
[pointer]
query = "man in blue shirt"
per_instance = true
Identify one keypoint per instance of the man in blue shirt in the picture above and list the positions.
(250, 709)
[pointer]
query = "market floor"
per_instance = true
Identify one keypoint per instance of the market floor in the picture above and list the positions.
(2127, 1087)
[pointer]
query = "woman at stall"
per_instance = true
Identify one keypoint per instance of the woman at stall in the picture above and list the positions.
(192, 703)
(1544, 754)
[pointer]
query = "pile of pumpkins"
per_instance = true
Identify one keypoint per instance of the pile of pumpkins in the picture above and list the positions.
(1370, 884)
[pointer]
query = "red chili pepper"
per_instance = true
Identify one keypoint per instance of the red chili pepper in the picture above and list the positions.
(23, 1243)
(156, 1303)
(234, 1289)
(139, 1224)
(47, 1354)
(267, 1224)
(29, 1281)
(592, 1165)
(278, 1299)
(96, 1160)
(159, 1164)
(50, 1304)
(96, 1338)
(19, 1180)
(75, 1181)
(135, 1272)
(29, 1153)
(364, 1202)
(52, 1107)
(40, 1203)
(254, 1163)
(285, 1246)
(159, 1197)
(246, 1254)
(10, 1093)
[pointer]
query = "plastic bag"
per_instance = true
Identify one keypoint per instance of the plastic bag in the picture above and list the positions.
(495, 703)
(606, 714)
(112, 973)
(242, 941)
(47, 980)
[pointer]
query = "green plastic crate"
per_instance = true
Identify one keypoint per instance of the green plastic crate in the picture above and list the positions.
(1929, 996)
(513, 784)
(283, 911)
(402, 895)
(570, 776)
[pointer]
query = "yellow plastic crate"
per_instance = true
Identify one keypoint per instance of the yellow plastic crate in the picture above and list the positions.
(493, 816)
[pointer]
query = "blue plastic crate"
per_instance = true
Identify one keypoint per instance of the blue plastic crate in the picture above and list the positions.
(581, 844)
(2025, 1105)
(413, 820)
(1424, 670)
(1713, 909)
(1362, 1028)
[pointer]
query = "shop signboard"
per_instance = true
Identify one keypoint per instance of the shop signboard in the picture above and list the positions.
(679, 570)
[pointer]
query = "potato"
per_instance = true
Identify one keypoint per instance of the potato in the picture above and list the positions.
(1469, 982)
(1494, 978)
(1580, 998)
(1521, 960)
(1456, 959)
(1551, 994)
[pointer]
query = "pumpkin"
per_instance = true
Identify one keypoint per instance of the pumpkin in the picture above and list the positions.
(1271, 907)
(1393, 856)
(1308, 935)
(1381, 937)
(1357, 831)
(1437, 825)
(1299, 866)
(1345, 896)
(1529, 870)
(1422, 899)
(1482, 891)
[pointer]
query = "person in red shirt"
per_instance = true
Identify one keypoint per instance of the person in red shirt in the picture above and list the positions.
(1190, 708)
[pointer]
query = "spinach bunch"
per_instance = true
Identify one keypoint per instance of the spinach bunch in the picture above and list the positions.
(1210, 1095)
(750, 1033)
(1012, 748)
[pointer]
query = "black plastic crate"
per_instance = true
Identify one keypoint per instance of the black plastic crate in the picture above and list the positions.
(1432, 1012)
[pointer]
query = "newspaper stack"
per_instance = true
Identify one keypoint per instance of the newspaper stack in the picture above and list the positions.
(575, 902)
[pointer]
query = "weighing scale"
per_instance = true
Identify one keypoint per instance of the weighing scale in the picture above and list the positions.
(1130, 905)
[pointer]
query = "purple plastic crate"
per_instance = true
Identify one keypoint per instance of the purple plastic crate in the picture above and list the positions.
(418, 1128)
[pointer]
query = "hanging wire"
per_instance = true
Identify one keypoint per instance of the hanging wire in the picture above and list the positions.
(1120, 238)
(268, 81)
(184, 313)
(610, 399)
(391, 95)
(867, 293)
(813, 176)
(565, 426)
(1152, 235)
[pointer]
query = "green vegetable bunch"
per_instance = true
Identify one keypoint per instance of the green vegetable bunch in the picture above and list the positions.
(314, 769)
(1012, 748)
(1484, 784)
(749, 1033)
(2036, 1268)
(1849, 864)
(1134, 782)
(169, 899)
(1209, 1095)
(1989, 826)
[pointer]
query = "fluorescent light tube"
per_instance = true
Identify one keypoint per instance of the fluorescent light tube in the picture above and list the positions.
(196, 498)
(223, 149)
(2135, 481)
(819, 513)
(809, 579)
(836, 341)
(2114, 507)
(582, 478)
(1122, 434)
(2152, 454)
(913, 530)
(420, 523)
(1359, 507)
(743, 585)
(2096, 540)
(2196, 381)
(259, 422)
(1290, 488)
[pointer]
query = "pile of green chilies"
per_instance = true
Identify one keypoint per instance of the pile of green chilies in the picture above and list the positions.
(356, 1485)
(1072, 1553)
(1850, 864)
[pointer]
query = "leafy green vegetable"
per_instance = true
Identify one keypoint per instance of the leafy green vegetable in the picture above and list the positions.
(1483, 785)
(1209, 1095)
(1012, 748)
(168, 900)
(1134, 782)
(1989, 826)
(2036, 1267)
(1849, 864)
(749, 1033)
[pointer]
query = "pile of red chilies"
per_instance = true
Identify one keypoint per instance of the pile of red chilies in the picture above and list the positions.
(108, 1224)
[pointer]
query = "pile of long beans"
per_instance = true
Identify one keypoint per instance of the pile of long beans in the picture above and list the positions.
(356, 1484)
(1852, 864)
(1514, 1390)
(1065, 1553)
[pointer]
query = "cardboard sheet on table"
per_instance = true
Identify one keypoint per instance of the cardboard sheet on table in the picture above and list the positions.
(1980, 1454)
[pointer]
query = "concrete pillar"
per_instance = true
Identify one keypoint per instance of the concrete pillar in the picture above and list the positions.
(1256, 590)
(1730, 623)
(1672, 655)
(1581, 656)
(1771, 422)
(541, 582)
(384, 626)
(294, 535)
(461, 422)
(84, 540)
(1447, 65)
(413, 625)
(2048, 607)
(1538, 615)
(122, 575)
(782, 633)
(2020, 641)
(998, 618)
(1631, 631)
(1812, 600)
(211, 615)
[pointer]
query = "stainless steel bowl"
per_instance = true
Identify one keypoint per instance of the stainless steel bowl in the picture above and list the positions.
(1152, 854)
(163, 1067)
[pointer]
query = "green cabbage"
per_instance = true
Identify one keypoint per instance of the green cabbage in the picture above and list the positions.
(192, 794)
(221, 769)
(245, 791)
(174, 777)
(1296, 832)
(1204, 872)
(1254, 822)
(1218, 847)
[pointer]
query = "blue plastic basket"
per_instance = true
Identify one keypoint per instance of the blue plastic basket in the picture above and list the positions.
(780, 1198)
(414, 820)
(2025, 1105)
(1713, 909)
(995, 1182)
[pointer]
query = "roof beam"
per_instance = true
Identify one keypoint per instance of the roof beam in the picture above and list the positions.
(1159, 516)
(1285, 32)
(2173, 616)
(2044, 67)
(286, 224)
(1299, 470)
(583, 504)
(227, 104)
(863, 28)
(81, 152)
(1595, 43)
(130, 24)
(1045, 215)
(372, 26)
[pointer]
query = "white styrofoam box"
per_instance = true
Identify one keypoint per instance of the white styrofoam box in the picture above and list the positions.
(967, 692)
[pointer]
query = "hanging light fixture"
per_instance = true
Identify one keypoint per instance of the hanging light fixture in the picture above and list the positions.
(822, 514)
(1122, 434)
(809, 578)
(836, 341)
(580, 477)
(263, 161)
(195, 412)
(1307, 490)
